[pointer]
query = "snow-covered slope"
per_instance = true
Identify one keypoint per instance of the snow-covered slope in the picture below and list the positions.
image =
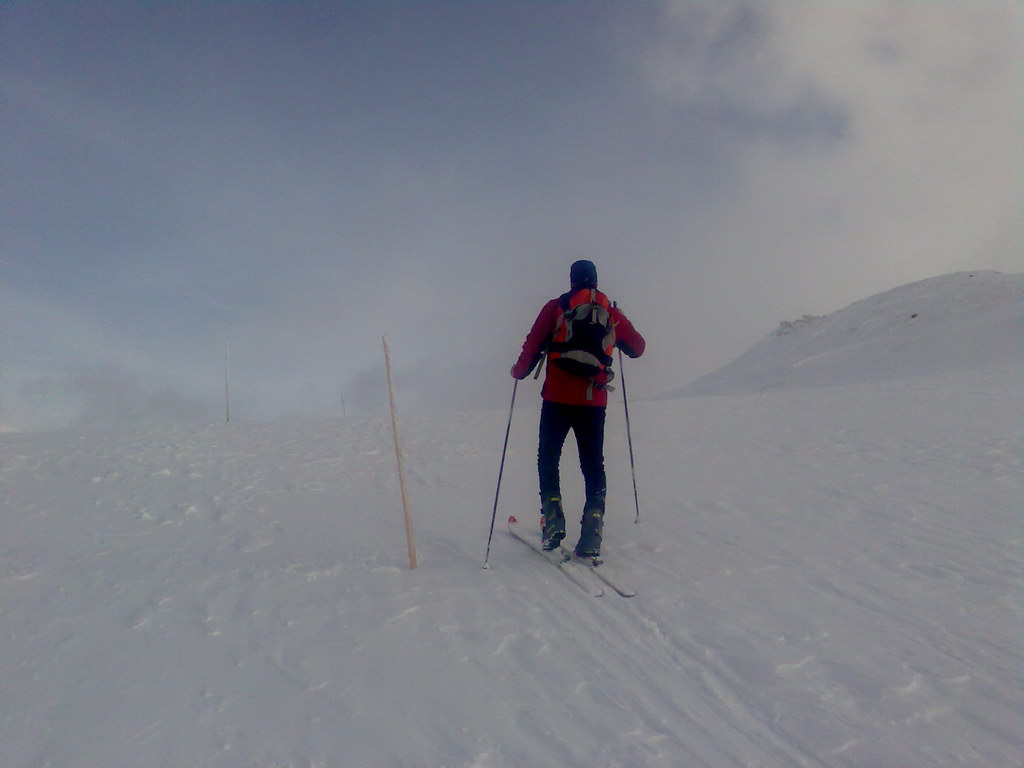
(826, 577)
(954, 322)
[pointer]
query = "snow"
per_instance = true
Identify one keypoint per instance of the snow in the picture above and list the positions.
(827, 576)
(954, 322)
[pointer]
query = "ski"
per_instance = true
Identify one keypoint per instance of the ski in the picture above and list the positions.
(557, 558)
(604, 572)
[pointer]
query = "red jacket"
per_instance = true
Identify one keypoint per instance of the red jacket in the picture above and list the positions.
(559, 385)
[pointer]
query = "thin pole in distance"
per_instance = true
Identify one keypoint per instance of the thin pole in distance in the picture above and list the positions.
(227, 380)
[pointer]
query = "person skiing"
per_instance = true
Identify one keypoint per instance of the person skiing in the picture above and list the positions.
(577, 332)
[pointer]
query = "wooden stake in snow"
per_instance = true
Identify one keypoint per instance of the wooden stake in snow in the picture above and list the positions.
(409, 541)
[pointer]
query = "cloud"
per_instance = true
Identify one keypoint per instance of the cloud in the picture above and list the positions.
(104, 397)
(309, 184)
(878, 132)
(61, 109)
(60, 368)
(863, 144)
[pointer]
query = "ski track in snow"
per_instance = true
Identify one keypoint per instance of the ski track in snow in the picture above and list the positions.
(825, 578)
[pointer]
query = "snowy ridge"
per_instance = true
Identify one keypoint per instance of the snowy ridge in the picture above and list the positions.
(826, 578)
(955, 322)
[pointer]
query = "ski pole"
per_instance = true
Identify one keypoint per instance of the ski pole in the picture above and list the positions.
(501, 471)
(629, 438)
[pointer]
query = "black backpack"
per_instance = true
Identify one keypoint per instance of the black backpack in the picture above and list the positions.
(584, 334)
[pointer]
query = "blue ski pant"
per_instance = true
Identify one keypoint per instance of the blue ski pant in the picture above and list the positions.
(587, 423)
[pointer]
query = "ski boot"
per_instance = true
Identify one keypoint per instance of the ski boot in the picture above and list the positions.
(552, 524)
(589, 545)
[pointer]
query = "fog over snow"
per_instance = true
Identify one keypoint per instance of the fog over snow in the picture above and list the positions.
(828, 573)
(301, 178)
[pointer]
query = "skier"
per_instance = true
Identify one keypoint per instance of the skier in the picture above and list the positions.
(578, 332)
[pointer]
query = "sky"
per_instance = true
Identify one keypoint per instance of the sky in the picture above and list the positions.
(294, 180)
